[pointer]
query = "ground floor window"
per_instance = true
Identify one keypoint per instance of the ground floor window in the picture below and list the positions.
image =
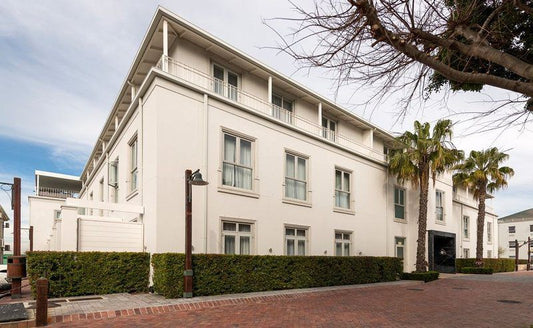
(466, 253)
(399, 248)
(295, 241)
(237, 238)
(489, 253)
(343, 243)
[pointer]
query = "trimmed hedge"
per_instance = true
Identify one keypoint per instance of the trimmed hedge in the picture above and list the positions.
(497, 265)
(477, 270)
(424, 276)
(88, 273)
(216, 274)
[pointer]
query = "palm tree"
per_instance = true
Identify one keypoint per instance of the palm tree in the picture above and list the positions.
(481, 172)
(421, 155)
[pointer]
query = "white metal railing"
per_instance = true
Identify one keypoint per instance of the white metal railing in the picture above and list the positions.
(207, 82)
(56, 192)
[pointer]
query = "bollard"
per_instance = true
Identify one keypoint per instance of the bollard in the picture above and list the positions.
(41, 315)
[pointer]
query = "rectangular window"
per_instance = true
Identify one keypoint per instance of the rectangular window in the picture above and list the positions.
(466, 227)
(101, 194)
(237, 168)
(342, 189)
(225, 82)
(295, 241)
(133, 164)
(399, 203)
(399, 247)
(489, 232)
(439, 205)
(57, 214)
(281, 108)
(489, 254)
(329, 129)
(295, 177)
(531, 228)
(512, 244)
(466, 253)
(343, 243)
(113, 179)
(512, 229)
(237, 238)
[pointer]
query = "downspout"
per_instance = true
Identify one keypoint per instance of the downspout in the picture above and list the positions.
(141, 138)
(205, 165)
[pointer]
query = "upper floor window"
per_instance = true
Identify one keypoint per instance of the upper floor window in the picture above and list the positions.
(399, 203)
(439, 205)
(466, 227)
(342, 189)
(237, 238)
(133, 164)
(329, 128)
(295, 177)
(225, 82)
(489, 232)
(295, 241)
(237, 169)
(113, 179)
(512, 229)
(343, 243)
(281, 108)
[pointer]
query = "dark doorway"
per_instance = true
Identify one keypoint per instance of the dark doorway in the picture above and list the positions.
(441, 251)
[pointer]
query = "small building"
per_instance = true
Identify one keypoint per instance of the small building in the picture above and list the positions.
(3, 219)
(513, 228)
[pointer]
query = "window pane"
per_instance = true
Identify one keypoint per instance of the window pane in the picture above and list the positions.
(396, 195)
(244, 245)
(338, 236)
(227, 226)
(332, 126)
(276, 100)
(290, 170)
(246, 153)
(324, 122)
(338, 249)
(300, 192)
(338, 180)
(301, 247)
(229, 244)
(346, 181)
(245, 227)
(300, 233)
(290, 247)
(243, 177)
(289, 232)
(228, 171)
(230, 145)
(342, 199)
(301, 169)
(402, 194)
(218, 73)
(346, 236)
(346, 249)
(232, 79)
(398, 212)
(287, 105)
(399, 252)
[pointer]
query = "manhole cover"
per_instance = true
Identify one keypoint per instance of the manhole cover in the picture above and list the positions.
(13, 312)
(509, 301)
(415, 289)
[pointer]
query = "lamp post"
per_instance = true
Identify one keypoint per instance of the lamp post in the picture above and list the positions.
(191, 178)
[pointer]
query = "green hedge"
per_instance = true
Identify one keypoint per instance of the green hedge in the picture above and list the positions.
(87, 273)
(224, 274)
(497, 265)
(477, 270)
(424, 276)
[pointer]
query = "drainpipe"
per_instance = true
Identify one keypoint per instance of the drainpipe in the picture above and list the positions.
(205, 165)
(141, 193)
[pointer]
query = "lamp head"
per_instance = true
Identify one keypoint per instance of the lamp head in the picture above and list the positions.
(196, 179)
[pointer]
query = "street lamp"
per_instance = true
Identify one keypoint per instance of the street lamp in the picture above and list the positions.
(191, 178)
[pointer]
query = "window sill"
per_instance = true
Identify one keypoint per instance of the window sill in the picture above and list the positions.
(237, 191)
(344, 210)
(132, 194)
(440, 222)
(404, 221)
(466, 239)
(296, 202)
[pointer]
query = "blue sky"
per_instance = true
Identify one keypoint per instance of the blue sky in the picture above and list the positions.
(63, 62)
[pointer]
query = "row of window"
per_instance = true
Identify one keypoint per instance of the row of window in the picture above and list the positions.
(466, 229)
(399, 204)
(466, 253)
(512, 229)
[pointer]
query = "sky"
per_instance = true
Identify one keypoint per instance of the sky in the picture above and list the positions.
(62, 64)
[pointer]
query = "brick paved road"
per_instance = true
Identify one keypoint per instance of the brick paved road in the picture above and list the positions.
(455, 302)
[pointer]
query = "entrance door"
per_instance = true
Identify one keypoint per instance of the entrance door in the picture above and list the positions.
(441, 251)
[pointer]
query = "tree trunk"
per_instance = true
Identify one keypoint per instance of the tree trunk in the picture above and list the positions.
(421, 264)
(480, 226)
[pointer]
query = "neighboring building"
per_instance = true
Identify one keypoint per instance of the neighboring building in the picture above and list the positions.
(3, 218)
(518, 226)
(290, 172)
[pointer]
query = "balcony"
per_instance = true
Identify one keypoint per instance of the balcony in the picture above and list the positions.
(56, 193)
(255, 104)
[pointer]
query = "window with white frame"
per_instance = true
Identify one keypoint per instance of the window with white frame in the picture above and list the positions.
(282, 108)
(226, 83)
(531, 228)
(489, 253)
(466, 253)
(237, 238)
(237, 166)
(399, 247)
(512, 244)
(113, 179)
(57, 214)
(439, 205)
(329, 128)
(466, 227)
(342, 189)
(399, 203)
(133, 164)
(343, 243)
(295, 241)
(512, 229)
(295, 177)
(489, 232)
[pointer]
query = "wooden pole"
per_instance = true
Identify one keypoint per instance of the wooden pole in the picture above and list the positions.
(188, 273)
(528, 253)
(516, 254)
(31, 238)
(41, 314)
(16, 281)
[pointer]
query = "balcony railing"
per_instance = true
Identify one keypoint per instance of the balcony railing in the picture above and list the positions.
(258, 105)
(56, 193)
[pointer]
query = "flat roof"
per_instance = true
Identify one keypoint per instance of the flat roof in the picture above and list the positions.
(56, 175)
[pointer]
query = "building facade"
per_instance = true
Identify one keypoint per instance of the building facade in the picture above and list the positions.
(290, 172)
(517, 227)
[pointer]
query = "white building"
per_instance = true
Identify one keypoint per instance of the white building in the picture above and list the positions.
(3, 218)
(512, 228)
(290, 172)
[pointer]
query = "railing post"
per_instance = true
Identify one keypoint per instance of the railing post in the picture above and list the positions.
(41, 314)
(516, 254)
